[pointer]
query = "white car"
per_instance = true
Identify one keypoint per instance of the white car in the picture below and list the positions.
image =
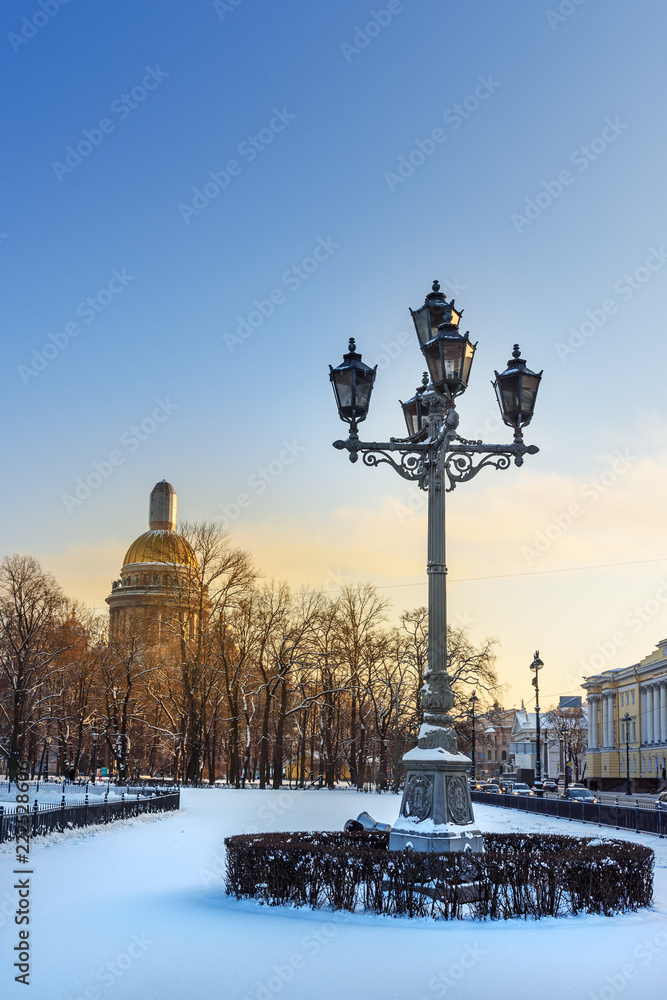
(520, 788)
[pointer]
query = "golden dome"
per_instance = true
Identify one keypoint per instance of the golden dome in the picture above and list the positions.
(161, 546)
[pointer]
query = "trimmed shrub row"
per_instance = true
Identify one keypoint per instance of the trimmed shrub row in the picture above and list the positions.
(519, 875)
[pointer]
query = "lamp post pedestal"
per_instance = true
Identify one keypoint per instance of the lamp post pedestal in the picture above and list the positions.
(436, 810)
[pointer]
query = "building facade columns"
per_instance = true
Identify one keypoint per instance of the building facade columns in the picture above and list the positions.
(657, 735)
(663, 711)
(648, 713)
(593, 736)
(608, 727)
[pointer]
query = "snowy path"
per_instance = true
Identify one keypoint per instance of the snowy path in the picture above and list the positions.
(136, 911)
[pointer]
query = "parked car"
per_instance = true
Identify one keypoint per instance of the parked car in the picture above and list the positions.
(521, 788)
(549, 786)
(578, 794)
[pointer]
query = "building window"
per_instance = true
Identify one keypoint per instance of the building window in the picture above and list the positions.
(634, 764)
(503, 755)
(634, 732)
(633, 696)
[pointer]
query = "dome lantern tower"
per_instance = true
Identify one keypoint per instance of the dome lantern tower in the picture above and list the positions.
(162, 507)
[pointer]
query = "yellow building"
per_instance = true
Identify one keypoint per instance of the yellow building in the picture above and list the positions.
(628, 718)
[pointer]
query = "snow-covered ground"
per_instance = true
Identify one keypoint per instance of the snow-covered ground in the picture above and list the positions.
(137, 910)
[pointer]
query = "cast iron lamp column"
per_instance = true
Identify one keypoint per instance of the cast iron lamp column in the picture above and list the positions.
(627, 719)
(473, 701)
(536, 666)
(94, 757)
(437, 458)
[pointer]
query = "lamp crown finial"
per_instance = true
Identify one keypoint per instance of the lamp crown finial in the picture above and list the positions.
(436, 286)
(352, 345)
(516, 353)
(425, 379)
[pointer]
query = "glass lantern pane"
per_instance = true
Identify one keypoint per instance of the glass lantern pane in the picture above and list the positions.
(364, 387)
(344, 382)
(528, 393)
(411, 422)
(422, 323)
(452, 359)
(467, 361)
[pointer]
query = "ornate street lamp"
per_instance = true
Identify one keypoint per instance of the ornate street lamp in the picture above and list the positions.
(627, 719)
(449, 356)
(536, 666)
(437, 459)
(473, 702)
(432, 314)
(94, 756)
(415, 411)
(562, 733)
(516, 389)
(352, 384)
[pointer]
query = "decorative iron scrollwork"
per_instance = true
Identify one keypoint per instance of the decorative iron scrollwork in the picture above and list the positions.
(460, 467)
(407, 467)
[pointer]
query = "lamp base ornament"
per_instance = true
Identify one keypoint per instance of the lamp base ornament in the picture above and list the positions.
(436, 810)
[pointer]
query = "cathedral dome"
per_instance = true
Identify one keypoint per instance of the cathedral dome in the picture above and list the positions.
(161, 546)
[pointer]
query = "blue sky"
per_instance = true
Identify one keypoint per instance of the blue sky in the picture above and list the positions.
(336, 107)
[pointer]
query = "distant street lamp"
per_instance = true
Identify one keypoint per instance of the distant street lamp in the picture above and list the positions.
(94, 756)
(627, 719)
(562, 732)
(473, 702)
(536, 666)
(437, 459)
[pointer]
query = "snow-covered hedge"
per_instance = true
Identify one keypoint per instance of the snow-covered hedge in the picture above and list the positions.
(519, 875)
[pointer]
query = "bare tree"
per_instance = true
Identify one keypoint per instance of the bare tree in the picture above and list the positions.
(32, 608)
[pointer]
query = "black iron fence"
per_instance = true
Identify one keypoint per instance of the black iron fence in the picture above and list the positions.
(620, 815)
(48, 817)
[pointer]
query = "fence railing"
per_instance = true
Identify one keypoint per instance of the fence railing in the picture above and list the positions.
(47, 818)
(620, 815)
